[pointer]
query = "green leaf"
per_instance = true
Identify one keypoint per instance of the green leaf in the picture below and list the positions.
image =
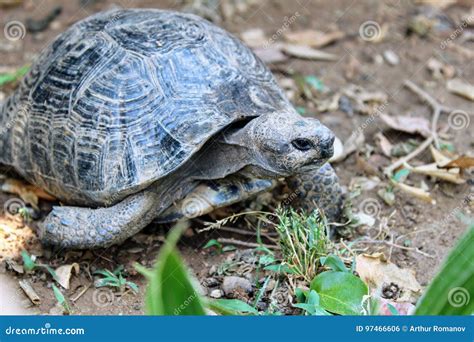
(340, 292)
(13, 76)
(301, 295)
(333, 262)
(312, 305)
(60, 298)
(393, 310)
(452, 290)
(213, 243)
(400, 175)
(301, 110)
(28, 263)
(170, 290)
(231, 307)
(315, 82)
(280, 268)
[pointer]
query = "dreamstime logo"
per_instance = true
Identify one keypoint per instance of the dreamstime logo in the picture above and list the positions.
(103, 297)
(194, 206)
(458, 119)
(370, 31)
(14, 30)
(457, 32)
(370, 206)
(13, 206)
(287, 21)
(185, 304)
(458, 296)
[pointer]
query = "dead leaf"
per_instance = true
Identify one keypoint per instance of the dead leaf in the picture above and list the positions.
(329, 104)
(385, 145)
(459, 87)
(403, 308)
(408, 124)
(355, 141)
(254, 37)
(366, 102)
(439, 157)
(313, 38)
(378, 273)
(64, 273)
(28, 193)
(338, 149)
(441, 4)
(271, 54)
(416, 192)
(462, 162)
(452, 175)
(306, 52)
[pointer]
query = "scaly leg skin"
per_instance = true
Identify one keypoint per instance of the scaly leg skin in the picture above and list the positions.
(77, 227)
(209, 195)
(318, 189)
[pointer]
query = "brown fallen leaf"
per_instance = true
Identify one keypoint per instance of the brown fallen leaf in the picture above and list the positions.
(385, 145)
(378, 273)
(403, 308)
(306, 52)
(254, 37)
(355, 141)
(459, 87)
(408, 124)
(27, 192)
(441, 4)
(416, 192)
(64, 273)
(462, 162)
(271, 54)
(452, 175)
(313, 38)
(439, 157)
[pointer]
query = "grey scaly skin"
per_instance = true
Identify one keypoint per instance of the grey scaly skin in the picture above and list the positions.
(130, 111)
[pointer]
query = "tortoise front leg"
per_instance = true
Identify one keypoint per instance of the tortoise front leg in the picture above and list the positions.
(77, 227)
(318, 189)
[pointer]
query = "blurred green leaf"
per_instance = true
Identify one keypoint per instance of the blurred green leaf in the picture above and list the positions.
(340, 292)
(334, 262)
(452, 290)
(231, 307)
(28, 263)
(13, 76)
(170, 289)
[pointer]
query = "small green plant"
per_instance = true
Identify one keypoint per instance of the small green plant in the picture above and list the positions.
(115, 279)
(30, 265)
(303, 240)
(61, 299)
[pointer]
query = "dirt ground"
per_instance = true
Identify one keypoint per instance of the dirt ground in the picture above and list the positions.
(414, 234)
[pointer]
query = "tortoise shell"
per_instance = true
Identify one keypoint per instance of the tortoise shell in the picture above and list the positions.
(125, 97)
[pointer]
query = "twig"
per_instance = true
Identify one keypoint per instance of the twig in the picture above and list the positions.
(246, 244)
(437, 109)
(391, 244)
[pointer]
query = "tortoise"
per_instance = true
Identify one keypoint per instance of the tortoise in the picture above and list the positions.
(138, 115)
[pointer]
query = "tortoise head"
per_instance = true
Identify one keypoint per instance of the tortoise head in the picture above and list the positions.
(286, 143)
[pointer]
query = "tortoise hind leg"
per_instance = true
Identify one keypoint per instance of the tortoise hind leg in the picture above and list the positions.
(77, 227)
(210, 195)
(318, 189)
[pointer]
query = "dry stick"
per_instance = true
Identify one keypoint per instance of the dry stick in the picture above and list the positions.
(437, 110)
(246, 244)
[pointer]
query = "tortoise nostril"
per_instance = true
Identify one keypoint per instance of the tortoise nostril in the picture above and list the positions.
(302, 144)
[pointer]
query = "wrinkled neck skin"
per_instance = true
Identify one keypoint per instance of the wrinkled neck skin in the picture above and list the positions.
(231, 152)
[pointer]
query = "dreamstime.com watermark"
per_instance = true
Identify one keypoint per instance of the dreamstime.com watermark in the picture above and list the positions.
(46, 330)
(14, 30)
(457, 32)
(287, 22)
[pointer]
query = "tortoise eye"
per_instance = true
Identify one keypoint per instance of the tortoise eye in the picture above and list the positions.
(302, 144)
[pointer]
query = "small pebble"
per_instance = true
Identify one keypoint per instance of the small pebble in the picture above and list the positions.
(216, 293)
(234, 286)
(391, 57)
